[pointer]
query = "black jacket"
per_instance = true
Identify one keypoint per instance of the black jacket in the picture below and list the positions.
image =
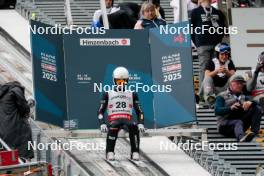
(199, 20)
(14, 112)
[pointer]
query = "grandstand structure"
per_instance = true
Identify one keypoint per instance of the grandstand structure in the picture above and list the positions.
(243, 161)
(54, 11)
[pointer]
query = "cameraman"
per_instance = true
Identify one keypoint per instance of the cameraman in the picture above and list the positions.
(236, 112)
(15, 129)
(255, 81)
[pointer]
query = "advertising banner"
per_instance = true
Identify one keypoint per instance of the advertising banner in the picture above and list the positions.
(172, 66)
(89, 69)
(48, 75)
(80, 68)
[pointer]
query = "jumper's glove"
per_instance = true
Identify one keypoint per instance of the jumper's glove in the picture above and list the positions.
(103, 128)
(258, 67)
(141, 128)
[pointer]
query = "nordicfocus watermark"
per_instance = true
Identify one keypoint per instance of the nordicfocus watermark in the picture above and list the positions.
(137, 87)
(191, 145)
(72, 145)
(189, 29)
(58, 29)
(205, 29)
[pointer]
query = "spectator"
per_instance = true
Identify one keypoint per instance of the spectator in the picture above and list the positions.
(125, 18)
(191, 4)
(159, 10)
(217, 73)
(255, 81)
(14, 113)
(236, 112)
(182, 9)
(206, 16)
(149, 17)
(244, 3)
(98, 13)
(132, 9)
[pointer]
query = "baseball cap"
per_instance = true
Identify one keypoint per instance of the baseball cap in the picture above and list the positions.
(236, 78)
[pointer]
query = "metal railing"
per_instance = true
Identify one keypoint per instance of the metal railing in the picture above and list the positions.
(62, 162)
(7, 148)
(68, 13)
(40, 168)
(28, 10)
(210, 161)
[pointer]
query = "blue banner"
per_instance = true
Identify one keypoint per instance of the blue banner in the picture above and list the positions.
(48, 75)
(171, 60)
(70, 69)
(88, 65)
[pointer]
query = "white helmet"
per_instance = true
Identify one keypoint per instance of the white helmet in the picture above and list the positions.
(120, 76)
(120, 73)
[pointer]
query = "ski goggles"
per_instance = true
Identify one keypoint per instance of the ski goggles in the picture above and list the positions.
(221, 48)
(121, 81)
(225, 53)
(224, 50)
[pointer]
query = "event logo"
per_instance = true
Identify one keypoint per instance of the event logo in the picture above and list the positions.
(104, 42)
(48, 67)
(169, 68)
(179, 38)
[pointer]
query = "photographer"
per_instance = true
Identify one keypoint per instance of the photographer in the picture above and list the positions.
(236, 112)
(255, 81)
(15, 129)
